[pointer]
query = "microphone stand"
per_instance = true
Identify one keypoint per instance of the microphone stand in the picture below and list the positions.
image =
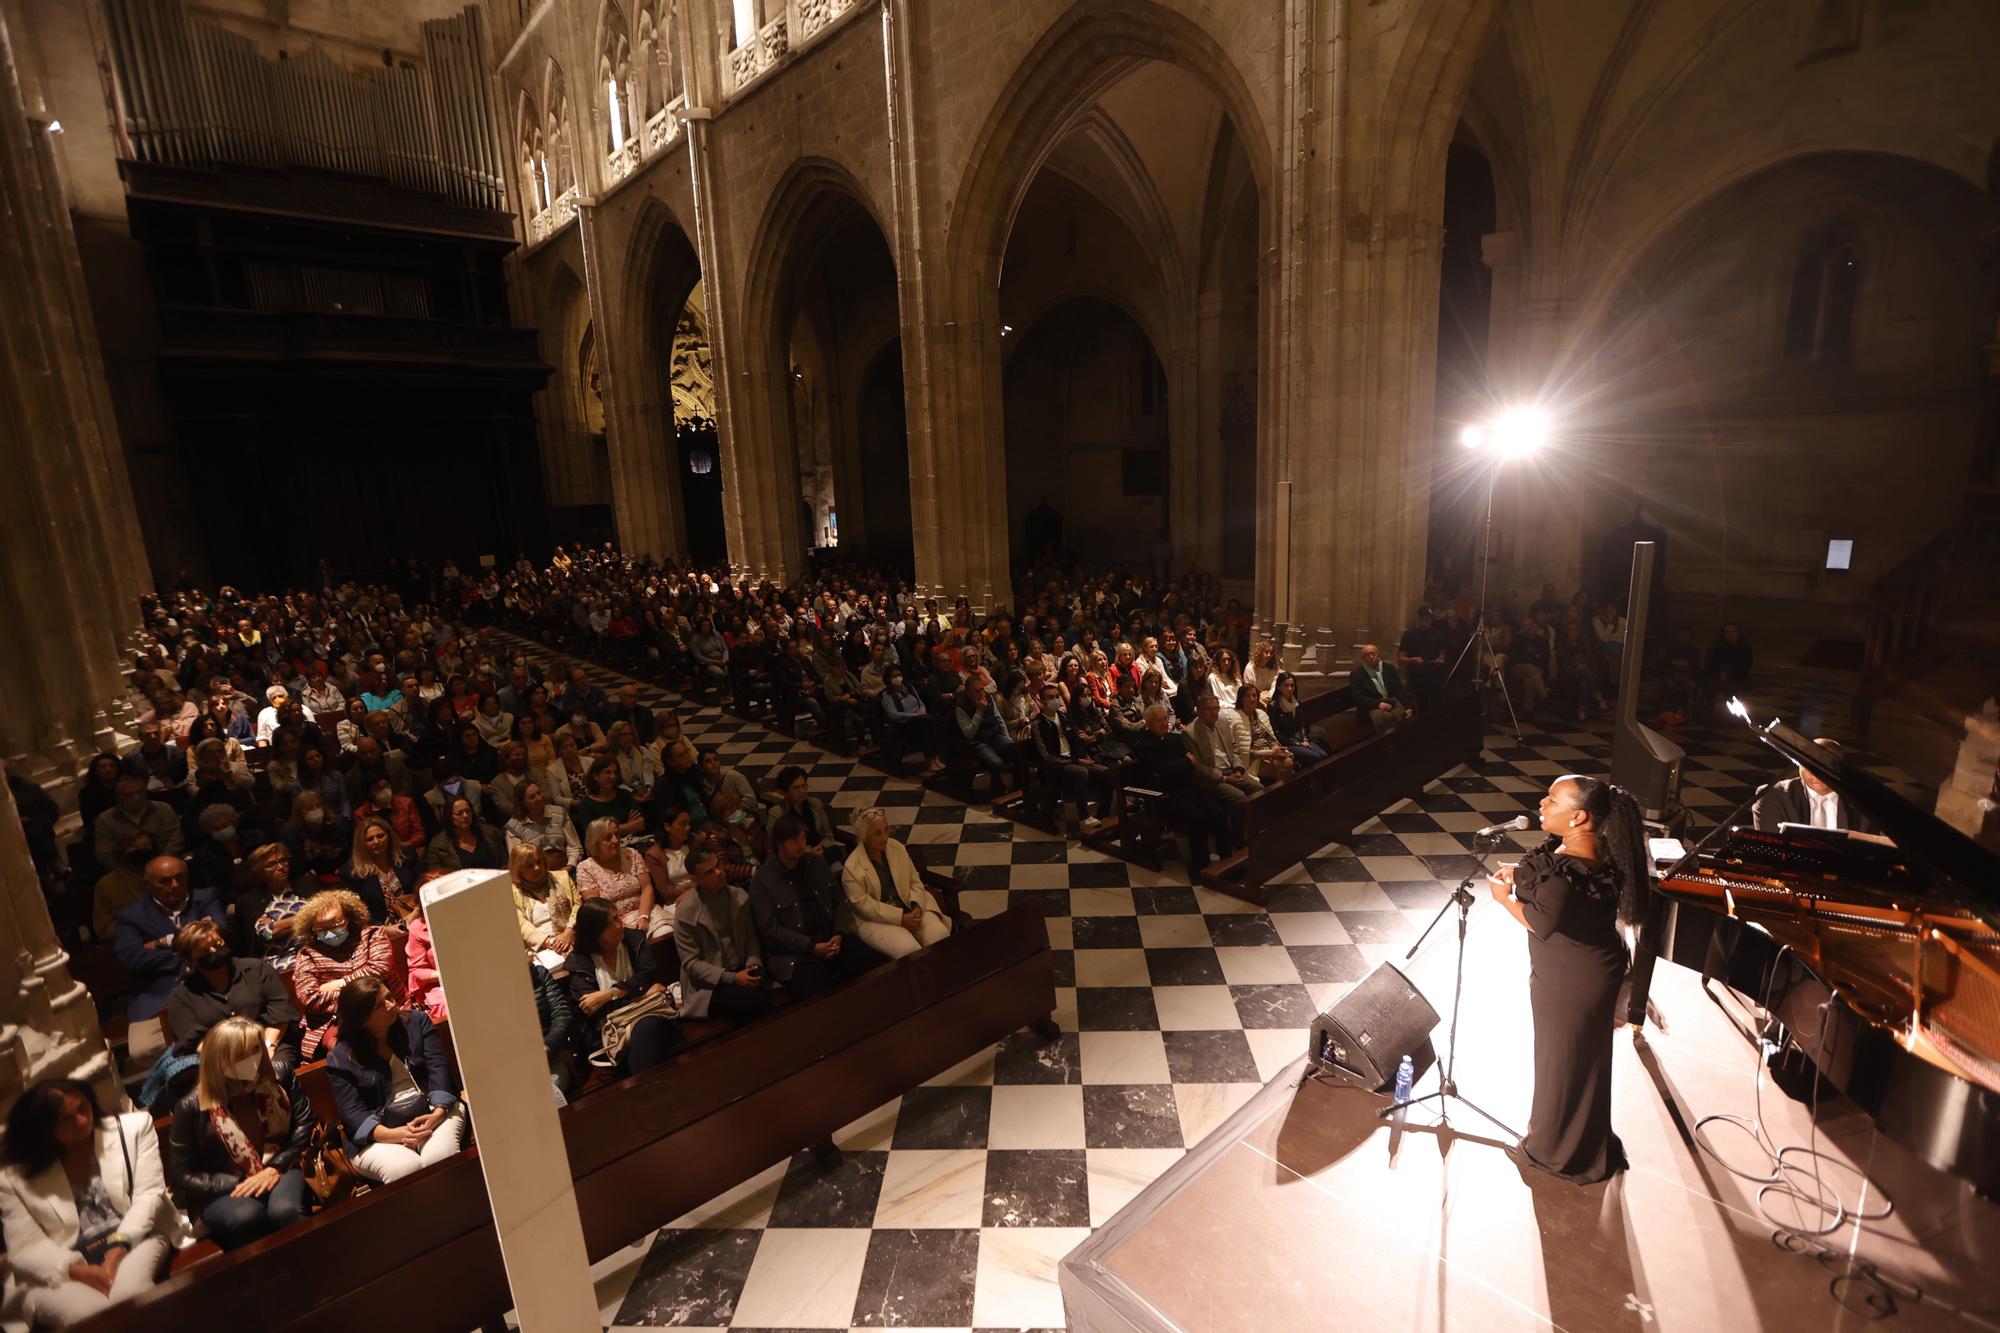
(1447, 1089)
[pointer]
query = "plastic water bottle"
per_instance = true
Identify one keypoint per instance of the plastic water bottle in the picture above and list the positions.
(1406, 1074)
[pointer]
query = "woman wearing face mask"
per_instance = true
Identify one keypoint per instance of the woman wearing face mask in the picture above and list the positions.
(220, 985)
(336, 945)
(377, 868)
(545, 901)
(324, 782)
(466, 842)
(267, 897)
(84, 1203)
(907, 725)
(736, 836)
(233, 1153)
(399, 1105)
(317, 839)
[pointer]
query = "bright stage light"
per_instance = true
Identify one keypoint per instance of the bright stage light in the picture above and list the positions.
(1472, 437)
(1521, 430)
(1737, 709)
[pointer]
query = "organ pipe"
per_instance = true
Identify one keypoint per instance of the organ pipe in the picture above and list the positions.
(190, 92)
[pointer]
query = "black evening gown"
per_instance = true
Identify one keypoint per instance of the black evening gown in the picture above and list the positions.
(1577, 961)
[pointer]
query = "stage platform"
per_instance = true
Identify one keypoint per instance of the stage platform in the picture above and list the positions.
(1305, 1211)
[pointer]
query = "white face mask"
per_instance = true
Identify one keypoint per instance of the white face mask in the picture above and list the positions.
(245, 1070)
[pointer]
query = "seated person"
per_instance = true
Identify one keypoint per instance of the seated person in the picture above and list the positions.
(809, 810)
(399, 1106)
(84, 1204)
(420, 965)
(338, 945)
(1212, 744)
(378, 868)
(122, 884)
(562, 1032)
(721, 957)
(738, 837)
(537, 818)
(603, 798)
(317, 837)
(219, 985)
(1805, 799)
(133, 811)
(450, 782)
(803, 919)
(666, 863)
(682, 784)
(1255, 736)
(1299, 740)
(545, 899)
(466, 842)
(986, 732)
(717, 778)
(1165, 766)
(894, 913)
(616, 873)
(268, 896)
(1379, 693)
(233, 1153)
(1069, 763)
(1420, 657)
(613, 966)
(223, 843)
(144, 942)
(907, 725)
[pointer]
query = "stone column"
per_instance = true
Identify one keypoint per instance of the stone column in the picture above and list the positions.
(951, 365)
(67, 525)
(48, 1024)
(645, 479)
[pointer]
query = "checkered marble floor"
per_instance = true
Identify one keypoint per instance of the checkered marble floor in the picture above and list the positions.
(950, 1206)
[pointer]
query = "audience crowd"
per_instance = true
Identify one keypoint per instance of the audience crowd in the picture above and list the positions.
(308, 760)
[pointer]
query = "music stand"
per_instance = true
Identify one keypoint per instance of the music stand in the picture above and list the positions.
(1447, 1090)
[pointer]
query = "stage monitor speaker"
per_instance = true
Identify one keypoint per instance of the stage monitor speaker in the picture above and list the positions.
(1363, 1038)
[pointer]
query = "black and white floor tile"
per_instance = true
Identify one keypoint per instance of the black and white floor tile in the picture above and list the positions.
(950, 1206)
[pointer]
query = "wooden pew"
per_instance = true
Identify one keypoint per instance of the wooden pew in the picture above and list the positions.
(641, 1152)
(1289, 820)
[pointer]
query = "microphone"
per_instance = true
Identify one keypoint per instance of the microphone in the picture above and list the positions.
(1518, 824)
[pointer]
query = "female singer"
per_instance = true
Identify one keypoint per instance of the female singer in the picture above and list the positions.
(1572, 893)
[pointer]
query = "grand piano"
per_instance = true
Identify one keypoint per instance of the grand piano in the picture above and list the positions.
(1879, 964)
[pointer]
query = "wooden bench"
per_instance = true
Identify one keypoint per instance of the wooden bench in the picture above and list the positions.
(641, 1152)
(1289, 820)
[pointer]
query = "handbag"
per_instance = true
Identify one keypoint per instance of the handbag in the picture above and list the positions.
(617, 1027)
(328, 1170)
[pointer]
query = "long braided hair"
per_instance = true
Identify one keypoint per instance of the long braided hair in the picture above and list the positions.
(1621, 831)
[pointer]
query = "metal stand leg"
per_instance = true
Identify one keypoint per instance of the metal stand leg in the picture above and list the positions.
(1479, 634)
(1447, 1090)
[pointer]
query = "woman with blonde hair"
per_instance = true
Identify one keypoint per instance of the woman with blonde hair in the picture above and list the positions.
(1262, 669)
(233, 1153)
(378, 867)
(894, 913)
(337, 943)
(615, 872)
(545, 900)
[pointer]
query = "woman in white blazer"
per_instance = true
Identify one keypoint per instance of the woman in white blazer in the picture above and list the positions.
(893, 911)
(83, 1201)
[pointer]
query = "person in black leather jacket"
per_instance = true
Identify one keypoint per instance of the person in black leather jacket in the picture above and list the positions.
(233, 1152)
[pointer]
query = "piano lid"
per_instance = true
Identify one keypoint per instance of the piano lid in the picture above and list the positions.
(1965, 871)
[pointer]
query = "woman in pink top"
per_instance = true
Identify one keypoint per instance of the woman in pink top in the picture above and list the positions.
(614, 871)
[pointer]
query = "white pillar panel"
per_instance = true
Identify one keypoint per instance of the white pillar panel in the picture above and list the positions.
(498, 1039)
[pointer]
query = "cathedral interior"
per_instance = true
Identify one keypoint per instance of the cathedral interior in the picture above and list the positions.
(351, 346)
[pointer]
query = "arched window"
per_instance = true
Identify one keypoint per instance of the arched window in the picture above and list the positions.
(532, 156)
(1826, 285)
(559, 173)
(614, 80)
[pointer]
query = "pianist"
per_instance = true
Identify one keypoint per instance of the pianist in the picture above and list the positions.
(1806, 799)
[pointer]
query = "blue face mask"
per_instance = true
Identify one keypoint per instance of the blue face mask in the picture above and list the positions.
(452, 787)
(223, 834)
(332, 939)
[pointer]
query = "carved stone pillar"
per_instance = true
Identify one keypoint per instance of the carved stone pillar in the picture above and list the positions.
(68, 572)
(48, 1024)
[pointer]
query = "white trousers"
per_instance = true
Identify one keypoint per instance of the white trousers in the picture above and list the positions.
(895, 942)
(73, 1302)
(387, 1163)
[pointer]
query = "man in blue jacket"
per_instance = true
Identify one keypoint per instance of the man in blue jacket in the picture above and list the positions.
(144, 941)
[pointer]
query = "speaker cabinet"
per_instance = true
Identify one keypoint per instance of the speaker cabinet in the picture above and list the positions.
(1362, 1039)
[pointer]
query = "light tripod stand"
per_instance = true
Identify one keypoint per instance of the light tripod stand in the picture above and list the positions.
(1447, 1089)
(1479, 634)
